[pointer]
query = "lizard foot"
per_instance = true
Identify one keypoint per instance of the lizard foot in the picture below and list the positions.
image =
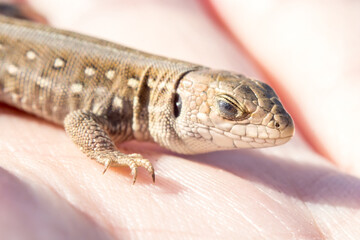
(134, 161)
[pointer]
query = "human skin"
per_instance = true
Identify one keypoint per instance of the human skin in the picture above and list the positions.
(48, 188)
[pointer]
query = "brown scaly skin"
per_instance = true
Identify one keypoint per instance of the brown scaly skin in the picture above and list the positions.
(105, 93)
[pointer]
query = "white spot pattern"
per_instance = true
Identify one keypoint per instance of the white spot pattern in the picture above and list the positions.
(43, 82)
(12, 69)
(76, 88)
(117, 102)
(89, 71)
(59, 63)
(133, 83)
(31, 55)
(110, 74)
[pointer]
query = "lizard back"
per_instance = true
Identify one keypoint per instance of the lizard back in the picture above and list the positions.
(51, 72)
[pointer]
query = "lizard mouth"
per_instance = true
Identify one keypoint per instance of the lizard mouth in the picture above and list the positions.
(247, 136)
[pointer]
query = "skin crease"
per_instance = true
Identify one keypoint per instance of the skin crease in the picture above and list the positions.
(49, 188)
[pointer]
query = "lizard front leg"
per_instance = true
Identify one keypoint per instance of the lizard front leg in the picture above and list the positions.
(87, 131)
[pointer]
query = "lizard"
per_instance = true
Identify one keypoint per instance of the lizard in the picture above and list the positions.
(104, 94)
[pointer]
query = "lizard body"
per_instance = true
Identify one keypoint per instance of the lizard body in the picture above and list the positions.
(103, 93)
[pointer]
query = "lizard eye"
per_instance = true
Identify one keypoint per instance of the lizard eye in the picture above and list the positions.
(177, 105)
(229, 108)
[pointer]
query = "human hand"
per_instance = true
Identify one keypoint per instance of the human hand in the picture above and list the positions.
(50, 188)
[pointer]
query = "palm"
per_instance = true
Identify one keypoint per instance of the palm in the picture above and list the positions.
(49, 188)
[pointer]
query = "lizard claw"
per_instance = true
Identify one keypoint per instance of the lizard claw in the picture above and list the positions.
(133, 161)
(107, 165)
(139, 161)
(153, 177)
(134, 174)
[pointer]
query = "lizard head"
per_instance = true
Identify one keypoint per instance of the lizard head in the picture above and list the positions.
(218, 110)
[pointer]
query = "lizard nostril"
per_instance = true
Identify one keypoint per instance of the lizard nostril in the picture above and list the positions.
(281, 121)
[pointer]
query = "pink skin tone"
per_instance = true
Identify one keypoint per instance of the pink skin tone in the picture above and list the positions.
(49, 188)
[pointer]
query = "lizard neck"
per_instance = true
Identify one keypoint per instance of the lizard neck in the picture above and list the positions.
(155, 90)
